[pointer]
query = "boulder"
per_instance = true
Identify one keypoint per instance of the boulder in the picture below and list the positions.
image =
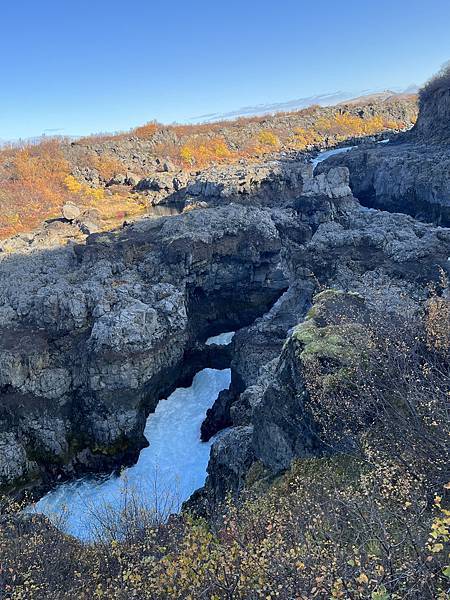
(71, 211)
(90, 221)
(132, 179)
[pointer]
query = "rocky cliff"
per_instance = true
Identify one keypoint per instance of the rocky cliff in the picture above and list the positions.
(96, 328)
(433, 123)
(94, 334)
(370, 255)
(410, 174)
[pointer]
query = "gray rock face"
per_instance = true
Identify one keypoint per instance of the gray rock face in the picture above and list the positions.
(92, 335)
(407, 177)
(231, 457)
(411, 174)
(333, 184)
(388, 258)
(270, 182)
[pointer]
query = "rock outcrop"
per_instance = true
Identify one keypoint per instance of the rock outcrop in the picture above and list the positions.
(93, 334)
(411, 174)
(374, 257)
(96, 327)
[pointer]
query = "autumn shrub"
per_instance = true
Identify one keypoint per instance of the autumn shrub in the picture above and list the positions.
(83, 191)
(437, 325)
(343, 125)
(41, 168)
(203, 151)
(390, 395)
(268, 140)
(146, 131)
(107, 166)
(329, 528)
(31, 185)
(302, 138)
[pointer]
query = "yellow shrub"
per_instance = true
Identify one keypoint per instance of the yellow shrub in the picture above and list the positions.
(204, 152)
(344, 125)
(82, 189)
(187, 154)
(302, 138)
(268, 138)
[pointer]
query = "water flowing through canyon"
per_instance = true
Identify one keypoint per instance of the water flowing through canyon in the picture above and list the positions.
(168, 471)
(324, 154)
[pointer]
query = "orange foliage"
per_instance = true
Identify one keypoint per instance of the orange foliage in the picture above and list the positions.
(147, 130)
(107, 166)
(41, 167)
(202, 153)
(35, 180)
(32, 185)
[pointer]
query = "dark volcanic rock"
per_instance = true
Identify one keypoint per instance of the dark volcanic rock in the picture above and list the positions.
(218, 417)
(231, 457)
(413, 178)
(411, 174)
(92, 335)
(388, 258)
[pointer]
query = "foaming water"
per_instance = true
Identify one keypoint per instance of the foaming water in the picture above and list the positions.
(223, 339)
(324, 154)
(169, 470)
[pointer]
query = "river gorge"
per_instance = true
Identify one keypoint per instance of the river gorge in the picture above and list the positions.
(167, 472)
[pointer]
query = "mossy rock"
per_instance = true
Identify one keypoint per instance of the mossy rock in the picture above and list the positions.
(326, 298)
(333, 341)
(332, 335)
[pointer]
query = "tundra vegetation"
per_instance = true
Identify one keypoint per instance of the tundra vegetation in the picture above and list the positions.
(37, 179)
(368, 518)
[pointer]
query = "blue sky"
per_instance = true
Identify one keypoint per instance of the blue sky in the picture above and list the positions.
(81, 66)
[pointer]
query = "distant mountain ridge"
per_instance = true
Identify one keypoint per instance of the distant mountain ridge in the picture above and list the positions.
(328, 99)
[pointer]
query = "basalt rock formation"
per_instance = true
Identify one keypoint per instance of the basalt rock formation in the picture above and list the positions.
(95, 329)
(364, 256)
(93, 334)
(410, 174)
(375, 256)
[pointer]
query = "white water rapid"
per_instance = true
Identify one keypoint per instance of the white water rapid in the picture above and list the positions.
(167, 472)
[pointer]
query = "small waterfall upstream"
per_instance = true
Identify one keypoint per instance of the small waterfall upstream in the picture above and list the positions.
(324, 154)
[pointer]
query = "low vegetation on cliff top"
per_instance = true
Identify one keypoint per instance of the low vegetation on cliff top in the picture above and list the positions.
(440, 81)
(37, 179)
(370, 523)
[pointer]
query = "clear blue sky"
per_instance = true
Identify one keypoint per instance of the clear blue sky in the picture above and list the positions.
(82, 66)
